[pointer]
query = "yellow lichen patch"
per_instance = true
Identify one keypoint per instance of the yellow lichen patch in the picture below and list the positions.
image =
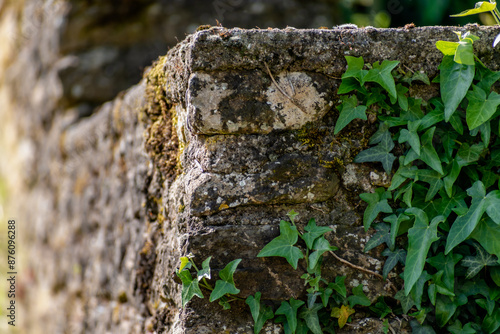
(204, 27)
(81, 183)
(311, 135)
(223, 206)
(148, 247)
(162, 143)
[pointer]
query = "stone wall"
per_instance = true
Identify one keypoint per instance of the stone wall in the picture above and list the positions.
(221, 138)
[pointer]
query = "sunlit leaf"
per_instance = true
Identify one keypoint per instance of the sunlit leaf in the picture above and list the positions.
(480, 7)
(283, 245)
(355, 68)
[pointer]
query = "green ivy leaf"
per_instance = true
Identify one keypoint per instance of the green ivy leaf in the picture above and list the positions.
(485, 130)
(321, 245)
(224, 303)
(428, 153)
(420, 238)
(480, 108)
(417, 328)
(414, 112)
(406, 301)
(190, 287)
(411, 136)
(464, 225)
(395, 223)
(283, 245)
(382, 235)
(381, 74)
(310, 315)
(260, 313)
(487, 304)
(491, 322)
(393, 257)
(470, 154)
(380, 308)
(445, 205)
(475, 263)
(313, 232)
(439, 285)
(456, 328)
(398, 178)
(465, 52)
(485, 77)
(226, 283)
(292, 215)
(289, 310)
(418, 289)
(349, 110)
(358, 297)
(445, 308)
(431, 177)
(495, 275)
(402, 99)
(377, 202)
(431, 118)
(355, 68)
(449, 180)
(350, 84)
(455, 82)
(447, 264)
(339, 286)
(381, 152)
(487, 233)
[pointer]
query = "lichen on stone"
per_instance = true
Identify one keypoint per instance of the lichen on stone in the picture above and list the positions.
(162, 143)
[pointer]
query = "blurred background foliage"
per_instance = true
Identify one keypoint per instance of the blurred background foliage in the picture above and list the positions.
(327, 13)
(397, 13)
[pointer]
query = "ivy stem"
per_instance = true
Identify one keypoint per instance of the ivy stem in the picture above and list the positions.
(479, 60)
(234, 298)
(206, 285)
(368, 271)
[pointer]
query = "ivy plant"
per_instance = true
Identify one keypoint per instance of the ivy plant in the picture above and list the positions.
(327, 304)
(441, 213)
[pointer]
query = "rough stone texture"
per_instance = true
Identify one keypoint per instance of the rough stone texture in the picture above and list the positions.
(222, 137)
